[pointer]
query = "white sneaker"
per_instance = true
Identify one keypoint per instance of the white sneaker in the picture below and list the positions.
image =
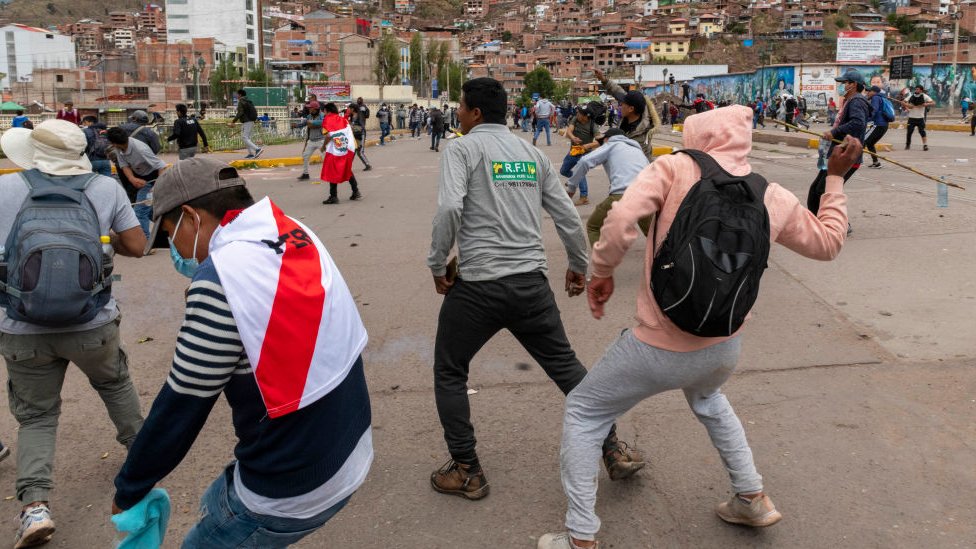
(557, 541)
(758, 512)
(36, 527)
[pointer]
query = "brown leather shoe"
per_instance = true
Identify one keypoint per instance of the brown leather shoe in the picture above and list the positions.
(621, 460)
(455, 479)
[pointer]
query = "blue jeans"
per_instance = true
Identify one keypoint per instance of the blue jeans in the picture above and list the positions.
(525, 124)
(102, 167)
(539, 124)
(143, 212)
(384, 131)
(435, 138)
(226, 523)
(566, 170)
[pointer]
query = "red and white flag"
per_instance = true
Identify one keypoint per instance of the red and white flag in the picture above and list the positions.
(340, 149)
(296, 317)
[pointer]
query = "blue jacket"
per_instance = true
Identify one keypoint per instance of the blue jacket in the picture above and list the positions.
(853, 121)
(877, 111)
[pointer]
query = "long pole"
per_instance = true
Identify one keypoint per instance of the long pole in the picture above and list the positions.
(955, 59)
(896, 163)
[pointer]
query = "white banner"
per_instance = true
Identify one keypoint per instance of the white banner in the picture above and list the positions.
(860, 46)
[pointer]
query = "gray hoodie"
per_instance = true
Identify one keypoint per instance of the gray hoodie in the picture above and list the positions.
(493, 189)
(622, 158)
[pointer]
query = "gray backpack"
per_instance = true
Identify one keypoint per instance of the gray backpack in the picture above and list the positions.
(54, 273)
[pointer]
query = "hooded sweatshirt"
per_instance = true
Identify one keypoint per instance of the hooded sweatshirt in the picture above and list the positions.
(649, 121)
(622, 158)
(725, 134)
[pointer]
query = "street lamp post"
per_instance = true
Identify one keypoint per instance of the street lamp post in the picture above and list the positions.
(201, 64)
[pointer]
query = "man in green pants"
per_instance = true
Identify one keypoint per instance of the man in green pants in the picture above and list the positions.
(622, 158)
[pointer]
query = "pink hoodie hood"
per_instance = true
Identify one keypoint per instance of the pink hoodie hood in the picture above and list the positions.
(724, 133)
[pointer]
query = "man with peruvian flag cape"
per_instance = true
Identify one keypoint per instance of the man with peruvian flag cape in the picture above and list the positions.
(339, 150)
(271, 324)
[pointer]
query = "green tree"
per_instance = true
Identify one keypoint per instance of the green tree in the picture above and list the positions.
(416, 60)
(220, 88)
(540, 81)
(562, 90)
(458, 74)
(387, 68)
(507, 36)
(258, 77)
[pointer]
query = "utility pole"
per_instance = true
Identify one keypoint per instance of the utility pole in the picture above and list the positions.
(957, 15)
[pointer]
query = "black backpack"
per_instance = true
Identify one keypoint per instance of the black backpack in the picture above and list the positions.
(706, 275)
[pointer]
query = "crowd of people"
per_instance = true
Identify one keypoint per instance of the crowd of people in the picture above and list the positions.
(297, 390)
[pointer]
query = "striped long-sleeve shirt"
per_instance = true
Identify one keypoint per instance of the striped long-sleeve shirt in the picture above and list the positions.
(296, 465)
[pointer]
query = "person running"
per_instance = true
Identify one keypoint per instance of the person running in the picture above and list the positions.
(639, 114)
(37, 350)
(758, 113)
(493, 190)
(314, 138)
(358, 124)
(186, 131)
(853, 121)
(656, 356)
(296, 390)
(436, 128)
(916, 104)
(141, 168)
(831, 111)
(338, 154)
(544, 111)
(582, 132)
(880, 122)
(789, 110)
(416, 117)
(246, 114)
(98, 145)
(623, 159)
(384, 117)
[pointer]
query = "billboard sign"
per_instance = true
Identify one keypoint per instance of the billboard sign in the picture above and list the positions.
(901, 68)
(817, 84)
(340, 92)
(860, 46)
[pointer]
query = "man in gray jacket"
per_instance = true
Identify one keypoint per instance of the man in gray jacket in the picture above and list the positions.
(492, 193)
(622, 158)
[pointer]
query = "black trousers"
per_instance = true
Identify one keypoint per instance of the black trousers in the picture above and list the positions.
(912, 124)
(972, 124)
(334, 187)
(472, 313)
(788, 120)
(872, 138)
(819, 186)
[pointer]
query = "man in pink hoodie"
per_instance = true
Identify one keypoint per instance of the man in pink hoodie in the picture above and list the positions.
(656, 355)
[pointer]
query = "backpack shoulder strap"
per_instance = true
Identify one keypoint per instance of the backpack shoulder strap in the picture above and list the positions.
(709, 167)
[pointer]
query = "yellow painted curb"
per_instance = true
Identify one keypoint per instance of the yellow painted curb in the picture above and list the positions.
(661, 151)
(937, 127)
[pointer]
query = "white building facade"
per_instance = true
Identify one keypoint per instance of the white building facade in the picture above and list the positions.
(236, 23)
(23, 49)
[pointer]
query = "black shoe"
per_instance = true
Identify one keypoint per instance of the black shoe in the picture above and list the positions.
(437, 149)
(907, 147)
(331, 200)
(367, 168)
(925, 147)
(303, 177)
(849, 229)
(875, 165)
(355, 196)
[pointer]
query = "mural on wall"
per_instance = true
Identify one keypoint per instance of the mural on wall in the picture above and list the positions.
(940, 81)
(817, 83)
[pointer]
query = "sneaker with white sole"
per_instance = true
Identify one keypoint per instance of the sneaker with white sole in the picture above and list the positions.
(758, 512)
(36, 527)
(558, 541)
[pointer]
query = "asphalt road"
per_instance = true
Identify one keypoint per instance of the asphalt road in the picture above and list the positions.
(857, 384)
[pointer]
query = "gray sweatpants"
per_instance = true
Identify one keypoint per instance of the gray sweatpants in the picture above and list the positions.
(311, 147)
(629, 372)
(188, 152)
(246, 129)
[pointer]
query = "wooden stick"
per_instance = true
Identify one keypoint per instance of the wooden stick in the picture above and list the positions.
(899, 164)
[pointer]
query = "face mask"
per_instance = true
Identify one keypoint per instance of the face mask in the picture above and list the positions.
(186, 267)
(917, 94)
